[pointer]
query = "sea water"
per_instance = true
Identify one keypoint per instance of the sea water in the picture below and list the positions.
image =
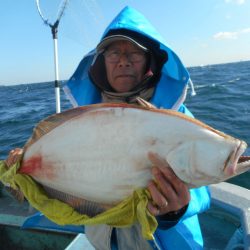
(222, 101)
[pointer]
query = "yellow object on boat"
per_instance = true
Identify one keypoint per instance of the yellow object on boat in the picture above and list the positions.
(126, 213)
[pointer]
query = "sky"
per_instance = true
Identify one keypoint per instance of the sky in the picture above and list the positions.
(201, 32)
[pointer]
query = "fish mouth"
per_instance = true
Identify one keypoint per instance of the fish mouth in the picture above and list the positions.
(236, 163)
(243, 164)
(244, 159)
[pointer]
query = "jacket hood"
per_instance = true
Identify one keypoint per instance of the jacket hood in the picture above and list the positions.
(156, 58)
(132, 23)
(131, 20)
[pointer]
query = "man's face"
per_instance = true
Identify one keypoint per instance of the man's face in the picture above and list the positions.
(125, 65)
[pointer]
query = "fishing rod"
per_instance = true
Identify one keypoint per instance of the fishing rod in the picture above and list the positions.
(54, 31)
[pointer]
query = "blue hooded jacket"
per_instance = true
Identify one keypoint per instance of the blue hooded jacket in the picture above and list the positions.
(170, 93)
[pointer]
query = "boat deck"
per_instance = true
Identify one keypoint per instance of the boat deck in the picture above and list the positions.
(12, 216)
(13, 212)
(225, 226)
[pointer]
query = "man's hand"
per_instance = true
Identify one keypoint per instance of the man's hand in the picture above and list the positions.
(14, 156)
(168, 192)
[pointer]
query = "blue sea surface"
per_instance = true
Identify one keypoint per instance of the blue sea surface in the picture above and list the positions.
(222, 101)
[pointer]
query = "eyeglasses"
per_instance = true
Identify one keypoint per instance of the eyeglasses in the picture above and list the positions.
(114, 56)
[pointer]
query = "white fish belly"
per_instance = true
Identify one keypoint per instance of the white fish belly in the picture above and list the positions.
(102, 155)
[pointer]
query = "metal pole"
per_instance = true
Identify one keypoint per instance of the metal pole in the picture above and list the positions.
(54, 30)
(57, 84)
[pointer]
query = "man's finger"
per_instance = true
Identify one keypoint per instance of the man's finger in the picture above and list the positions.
(157, 196)
(165, 185)
(157, 160)
(153, 209)
(167, 171)
(14, 156)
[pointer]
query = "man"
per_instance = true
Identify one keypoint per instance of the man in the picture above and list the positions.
(130, 64)
(126, 69)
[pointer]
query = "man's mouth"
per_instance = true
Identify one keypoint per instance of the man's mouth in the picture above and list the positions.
(124, 76)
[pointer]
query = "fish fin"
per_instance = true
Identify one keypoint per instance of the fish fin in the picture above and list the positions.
(81, 205)
(16, 193)
(145, 104)
(53, 121)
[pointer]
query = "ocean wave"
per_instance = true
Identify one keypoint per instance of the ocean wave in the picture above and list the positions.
(222, 101)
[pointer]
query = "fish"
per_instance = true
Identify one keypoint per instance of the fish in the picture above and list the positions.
(93, 157)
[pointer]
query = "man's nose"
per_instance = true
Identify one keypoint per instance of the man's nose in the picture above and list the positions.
(124, 59)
